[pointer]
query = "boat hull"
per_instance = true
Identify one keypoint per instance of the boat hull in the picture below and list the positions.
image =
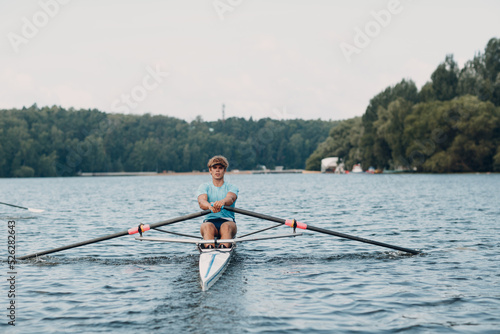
(213, 263)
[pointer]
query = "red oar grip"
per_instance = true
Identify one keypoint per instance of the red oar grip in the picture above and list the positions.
(291, 222)
(135, 230)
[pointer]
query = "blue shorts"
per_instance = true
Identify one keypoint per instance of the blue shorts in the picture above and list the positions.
(217, 222)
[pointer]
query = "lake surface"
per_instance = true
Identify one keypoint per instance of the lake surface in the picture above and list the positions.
(314, 283)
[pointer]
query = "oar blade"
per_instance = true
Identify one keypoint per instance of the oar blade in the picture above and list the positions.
(35, 210)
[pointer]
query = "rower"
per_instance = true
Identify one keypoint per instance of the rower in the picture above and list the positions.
(214, 196)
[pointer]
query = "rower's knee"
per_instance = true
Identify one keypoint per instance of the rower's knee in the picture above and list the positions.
(208, 228)
(228, 229)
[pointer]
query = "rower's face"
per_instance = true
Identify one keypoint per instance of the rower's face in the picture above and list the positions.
(217, 171)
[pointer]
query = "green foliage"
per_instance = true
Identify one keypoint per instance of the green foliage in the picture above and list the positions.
(451, 125)
(445, 79)
(24, 171)
(496, 160)
(390, 128)
(427, 93)
(343, 141)
(492, 59)
(373, 149)
(57, 142)
(460, 135)
(481, 76)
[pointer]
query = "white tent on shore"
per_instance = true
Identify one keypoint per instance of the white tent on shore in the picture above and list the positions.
(329, 164)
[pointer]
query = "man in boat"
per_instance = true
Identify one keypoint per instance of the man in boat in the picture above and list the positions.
(214, 195)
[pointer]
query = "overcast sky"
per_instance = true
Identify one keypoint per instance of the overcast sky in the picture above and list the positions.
(304, 59)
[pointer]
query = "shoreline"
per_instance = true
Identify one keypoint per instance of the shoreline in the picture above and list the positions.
(233, 172)
(259, 172)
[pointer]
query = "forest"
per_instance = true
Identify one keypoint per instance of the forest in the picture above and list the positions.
(452, 124)
(52, 141)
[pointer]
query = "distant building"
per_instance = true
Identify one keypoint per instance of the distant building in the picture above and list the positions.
(332, 165)
(329, 165)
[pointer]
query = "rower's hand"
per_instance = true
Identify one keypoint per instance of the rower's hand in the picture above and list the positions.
(217, 206)
(213, 208)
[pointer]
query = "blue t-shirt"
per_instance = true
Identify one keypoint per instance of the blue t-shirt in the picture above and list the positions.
(215, 194)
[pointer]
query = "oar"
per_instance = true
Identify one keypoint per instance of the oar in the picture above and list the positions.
(293, 223)
(119, 234)
(22, 207)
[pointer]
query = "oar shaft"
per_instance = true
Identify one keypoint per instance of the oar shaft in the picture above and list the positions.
(22, 207)
(115, 235)
(255, 214)
(78, 244)
(368, 241)
(14, 206)
(324, 231)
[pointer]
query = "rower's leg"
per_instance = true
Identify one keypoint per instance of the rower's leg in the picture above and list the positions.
(228, 231)
(208, 231)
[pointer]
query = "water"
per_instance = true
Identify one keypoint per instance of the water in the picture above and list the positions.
(310, 284)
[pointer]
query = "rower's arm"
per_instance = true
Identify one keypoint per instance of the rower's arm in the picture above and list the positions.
(230, 199)
(227, 201)
(203, 202)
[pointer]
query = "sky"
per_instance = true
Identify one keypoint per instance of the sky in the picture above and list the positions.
(283, 59)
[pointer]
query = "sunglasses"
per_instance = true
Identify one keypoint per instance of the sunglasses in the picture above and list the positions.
(217, 167)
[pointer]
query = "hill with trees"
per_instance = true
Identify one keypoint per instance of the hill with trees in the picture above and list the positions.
(451, 125)
(52, 141)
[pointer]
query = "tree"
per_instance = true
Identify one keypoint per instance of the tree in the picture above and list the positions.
(372, 149)
(452, 136)
(469, 78)
(427, 93)
(294, 156)
(390, 129)
(492, 59)
(343, 142)
(24, 171)
(46, 165)
(495, 95)
(445, 79)
(496, 160)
